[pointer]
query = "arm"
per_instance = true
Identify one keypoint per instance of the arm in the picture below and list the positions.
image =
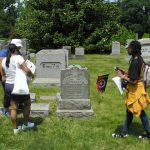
(3, 74)
(26, 69)
(125, 77)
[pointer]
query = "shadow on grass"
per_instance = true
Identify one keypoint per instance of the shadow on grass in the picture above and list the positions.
(135, 129)
(37, 121)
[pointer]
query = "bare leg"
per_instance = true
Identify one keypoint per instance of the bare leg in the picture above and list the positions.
(13, 112)
(26, 111)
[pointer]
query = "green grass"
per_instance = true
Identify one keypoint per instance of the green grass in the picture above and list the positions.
(94, 133)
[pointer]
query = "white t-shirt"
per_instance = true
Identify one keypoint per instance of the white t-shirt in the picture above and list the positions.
(15, 60)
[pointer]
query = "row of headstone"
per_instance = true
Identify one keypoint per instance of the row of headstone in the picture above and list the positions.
(145, 43)
(79, 52)
(73, 99)
(50, 62)
(52, 65)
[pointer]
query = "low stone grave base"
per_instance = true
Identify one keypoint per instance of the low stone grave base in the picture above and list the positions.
(32, 97)
(48, 98)
(46, 82)
(39, 109)
(74, 113)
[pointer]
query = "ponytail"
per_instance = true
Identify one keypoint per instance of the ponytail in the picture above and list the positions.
(8, 59)
(11, 49)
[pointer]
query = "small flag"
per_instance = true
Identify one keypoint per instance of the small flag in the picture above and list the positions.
(101, 83)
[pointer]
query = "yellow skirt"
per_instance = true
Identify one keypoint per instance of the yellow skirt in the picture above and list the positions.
(137, 98)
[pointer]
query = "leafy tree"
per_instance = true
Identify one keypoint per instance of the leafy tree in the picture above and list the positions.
(136, 15)
(53, 23)
(7, 17)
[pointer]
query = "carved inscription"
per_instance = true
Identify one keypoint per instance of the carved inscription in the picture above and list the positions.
(145, 50)
(51, 65)
(75, 84)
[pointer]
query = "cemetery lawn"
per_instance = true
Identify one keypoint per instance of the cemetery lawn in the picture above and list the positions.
(94, 133)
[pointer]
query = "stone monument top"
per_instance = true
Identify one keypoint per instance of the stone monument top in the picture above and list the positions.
(145, 49)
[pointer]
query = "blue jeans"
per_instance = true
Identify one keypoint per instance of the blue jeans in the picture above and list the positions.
(129, 118)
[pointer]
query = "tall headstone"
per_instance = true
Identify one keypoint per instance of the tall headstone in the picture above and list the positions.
(79, 52)
(145, 49)
(25, 49)
(136, 36)
(69, 50)
(115, 48)
(73, 100)
(2, 44)
(49, 63)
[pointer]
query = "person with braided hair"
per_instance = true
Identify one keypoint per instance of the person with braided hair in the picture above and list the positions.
(137, 98)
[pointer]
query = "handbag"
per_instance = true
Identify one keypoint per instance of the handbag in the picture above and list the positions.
(20, 85)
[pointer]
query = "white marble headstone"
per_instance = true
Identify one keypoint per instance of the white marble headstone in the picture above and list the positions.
(49, 63)
(145, 44)
(115, 48)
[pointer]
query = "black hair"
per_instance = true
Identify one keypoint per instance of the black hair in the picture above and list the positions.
(11, 49)
(136, 47)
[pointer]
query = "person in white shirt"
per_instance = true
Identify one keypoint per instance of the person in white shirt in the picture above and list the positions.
(3, 54)
(8, 75)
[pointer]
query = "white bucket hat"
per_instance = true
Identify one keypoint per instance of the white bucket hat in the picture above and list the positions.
(17, 42)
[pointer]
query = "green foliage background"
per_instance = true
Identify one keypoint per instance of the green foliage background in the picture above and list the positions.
(53, 24)
(135, 16)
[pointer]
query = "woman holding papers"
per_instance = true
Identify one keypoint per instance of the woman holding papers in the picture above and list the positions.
(9, 67)
(137, 98)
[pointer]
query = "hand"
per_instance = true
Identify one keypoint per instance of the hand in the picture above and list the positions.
(3, 78)
(120, 74)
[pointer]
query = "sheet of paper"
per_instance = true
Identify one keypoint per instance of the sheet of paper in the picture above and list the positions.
(117, 81)
(31, 66)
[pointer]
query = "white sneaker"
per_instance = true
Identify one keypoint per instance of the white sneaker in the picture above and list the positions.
(28, 126)
(17, 130)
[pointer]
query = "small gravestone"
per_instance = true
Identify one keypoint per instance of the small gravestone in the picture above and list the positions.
(48, 98)
(73, 100)
(39, 109)
(48, 66)
(79, 52)
(69, 50)
(145, 49)
(115, 48)
(136, 36)
(32, 97)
